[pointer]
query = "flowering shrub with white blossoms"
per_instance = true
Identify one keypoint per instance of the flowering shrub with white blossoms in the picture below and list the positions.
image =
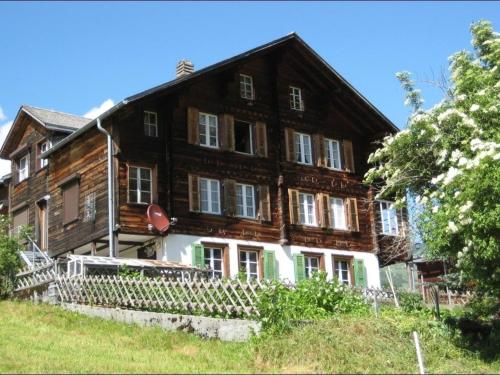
(448, 161)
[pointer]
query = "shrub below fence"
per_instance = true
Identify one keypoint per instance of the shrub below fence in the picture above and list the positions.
(228, 298)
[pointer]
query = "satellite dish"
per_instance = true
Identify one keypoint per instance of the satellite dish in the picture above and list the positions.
(158, 218)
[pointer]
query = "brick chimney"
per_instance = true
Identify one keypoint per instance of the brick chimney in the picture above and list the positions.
(184, 68)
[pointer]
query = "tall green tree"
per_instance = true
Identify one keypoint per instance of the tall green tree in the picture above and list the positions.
(447, 160)
(10, 263)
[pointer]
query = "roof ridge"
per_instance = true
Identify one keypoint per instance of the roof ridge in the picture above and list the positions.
(55, 111)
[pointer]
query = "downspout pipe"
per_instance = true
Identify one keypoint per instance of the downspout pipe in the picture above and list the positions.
(111, 190)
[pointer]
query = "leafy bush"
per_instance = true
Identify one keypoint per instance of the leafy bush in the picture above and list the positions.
(282, 307)
(10, 263)
(410, 301)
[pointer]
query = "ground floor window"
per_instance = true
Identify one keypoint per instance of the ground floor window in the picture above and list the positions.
(214, 260)
(312, 264)
(343, 270)
(249, 263)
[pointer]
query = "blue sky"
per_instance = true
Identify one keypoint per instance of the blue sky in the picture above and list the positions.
(75, 57)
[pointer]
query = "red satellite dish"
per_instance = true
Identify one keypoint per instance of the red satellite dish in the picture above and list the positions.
(158, 218)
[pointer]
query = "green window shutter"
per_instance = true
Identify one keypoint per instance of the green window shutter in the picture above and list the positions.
(359, 273)
(299, 267)
(198, 253)
(269, 265)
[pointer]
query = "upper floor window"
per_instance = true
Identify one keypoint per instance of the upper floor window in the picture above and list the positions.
(337, 207)
(44, 146)
(307, 209)
(23, 168)
(303, 148)
(210, 196)
(389, 218)
(245, 201)
(150, 124)
(139, 185)
(208, 134)
(244, 137)
(246, 87)
(296, 101)
(332, 150)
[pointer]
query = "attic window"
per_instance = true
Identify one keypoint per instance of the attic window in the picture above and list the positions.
(23, 168)
(150, 124)
(44, 146)
(296, 102)
(246, 87)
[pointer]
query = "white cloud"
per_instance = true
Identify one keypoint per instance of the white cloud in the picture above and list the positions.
(2, 115)
(96, 111)
(4, 130)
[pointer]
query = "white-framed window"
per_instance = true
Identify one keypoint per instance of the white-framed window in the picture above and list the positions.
(245, 201)
(208, 130)
(303, 148)
(332, 149)
(210, 196)
(44, 146)
(215, 261)
(307, 209)
(343, 271)
(311, 265)
(246, 87)
(389, 218)
(337, 206)
(243, 137)
(139, 185)
(23, 168)
(150, 124)
(249, 263)
(296, 102)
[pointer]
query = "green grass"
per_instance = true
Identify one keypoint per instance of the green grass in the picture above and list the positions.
(46, 339)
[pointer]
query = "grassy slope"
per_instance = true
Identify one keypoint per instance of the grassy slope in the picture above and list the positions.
(48, 339)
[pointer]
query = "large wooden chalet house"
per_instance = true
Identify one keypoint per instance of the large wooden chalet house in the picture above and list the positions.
(259, 158)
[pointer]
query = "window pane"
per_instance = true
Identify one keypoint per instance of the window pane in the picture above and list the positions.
(133, 195)
(307, 149)
(217, 253)
(252, 256)
(145, 197)
(298, 151)
(145, 174)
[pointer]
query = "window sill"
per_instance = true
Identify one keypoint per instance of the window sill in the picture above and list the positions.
(138, 204)
(389, 235)
(20, 182)
(66, 223)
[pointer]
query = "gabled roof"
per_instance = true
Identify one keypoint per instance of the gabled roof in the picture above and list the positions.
(222, 64)
(50, 119)
(55, 120)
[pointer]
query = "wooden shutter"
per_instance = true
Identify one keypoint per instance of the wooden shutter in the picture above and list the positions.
(348, 155)
(261, 139)
(226, 132)
(19, 219)
(264, 203)
(290, 144)
(194, 195)
(293, 205)
(269, 265)
(71, 197)
(352, 214)
(359, 273)
(319, 150)
(299, 267)
(230, 197)
(401, 222)
(319, 210)
(327, 212)
(198, 254)
(193, 119)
